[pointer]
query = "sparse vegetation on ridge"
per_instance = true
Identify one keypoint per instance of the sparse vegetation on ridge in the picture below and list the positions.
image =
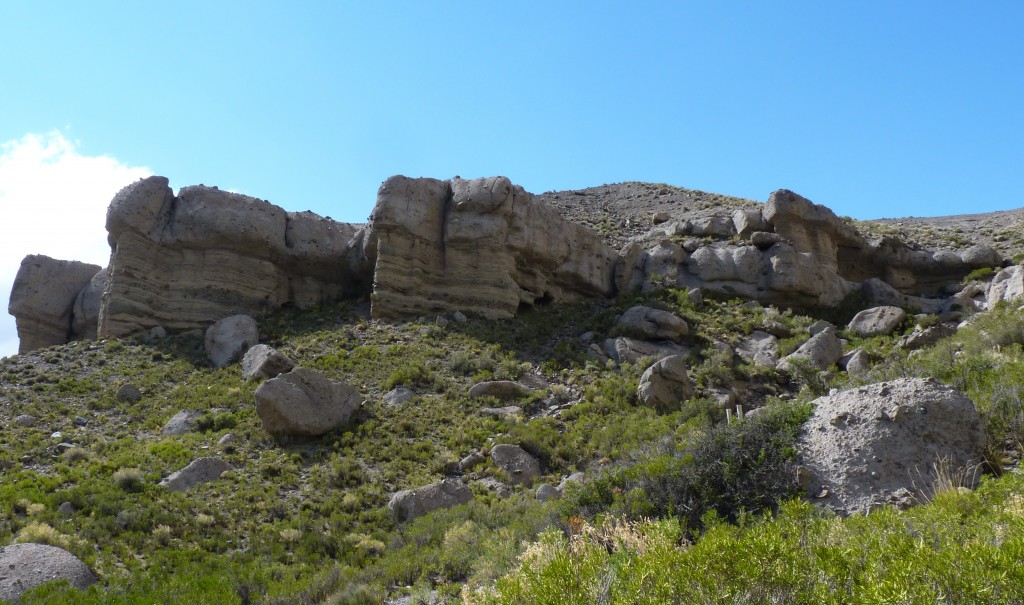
(307, 523)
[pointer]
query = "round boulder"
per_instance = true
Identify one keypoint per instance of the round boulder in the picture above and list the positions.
(408, 504)
(26, 566)
(654, 324)
(229, 339)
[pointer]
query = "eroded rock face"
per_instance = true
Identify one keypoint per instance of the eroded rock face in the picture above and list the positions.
(26, 566)
(304, 403)
(482, 246)
(183, 262)
(863, 445)
(43, 300)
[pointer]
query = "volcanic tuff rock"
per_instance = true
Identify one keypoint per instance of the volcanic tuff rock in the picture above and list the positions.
(186, 261)
(43, 299)
(483, 246)
(864, 444)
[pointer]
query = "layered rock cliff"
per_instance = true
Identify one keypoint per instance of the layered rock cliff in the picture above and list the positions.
(483, 246)
(480, 246)
(186, 261)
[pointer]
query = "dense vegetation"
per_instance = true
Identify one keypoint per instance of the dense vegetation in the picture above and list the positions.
(680, 505)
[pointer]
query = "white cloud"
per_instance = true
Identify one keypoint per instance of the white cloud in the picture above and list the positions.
(53, 201)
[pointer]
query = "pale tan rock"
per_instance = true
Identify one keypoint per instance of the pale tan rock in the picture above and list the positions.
(482, 246)
(43, 299)
(183, 262)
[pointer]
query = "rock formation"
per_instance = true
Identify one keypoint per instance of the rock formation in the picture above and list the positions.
(186, 261)
(482, 246)
(43, 300)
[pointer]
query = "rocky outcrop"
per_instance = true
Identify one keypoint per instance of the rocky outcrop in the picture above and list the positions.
(408, 504)
(304, 403)
(43, 300)
(1007, 285)
(188, 260)
(482, 246)
(863, 446)
(26, 566)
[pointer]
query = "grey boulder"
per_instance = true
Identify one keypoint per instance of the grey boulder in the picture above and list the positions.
(200, 470)
(652, 324)
(25, 566)
(408, 504)
(264, 361)
(304, 403)
(516, 462)
(822, 351)
(863, 446)
(665, 384)
(229, 339)
(877, 321)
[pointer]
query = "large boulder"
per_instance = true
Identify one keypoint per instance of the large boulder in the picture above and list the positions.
(877, 321)
(25, 566)
(229, 339)
(653, 324)
(184, 261)
(408, 504)
(665, 384)
(86, 315)
(483, 246)
(864, 446)
(304, 403)
(517, 463)
(43, 300)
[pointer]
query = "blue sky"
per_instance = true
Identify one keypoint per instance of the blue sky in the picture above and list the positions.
(872, 108)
